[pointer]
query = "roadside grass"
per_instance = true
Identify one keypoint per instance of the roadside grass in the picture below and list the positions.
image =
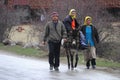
(32, 52)
(101, 62)
(107, 63)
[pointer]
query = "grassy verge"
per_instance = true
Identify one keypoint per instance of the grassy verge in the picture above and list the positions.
(102, 62)
(41, 54)
(107, 63)
(23, 51)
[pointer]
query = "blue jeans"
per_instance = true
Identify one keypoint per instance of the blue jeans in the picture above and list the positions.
(54, 53)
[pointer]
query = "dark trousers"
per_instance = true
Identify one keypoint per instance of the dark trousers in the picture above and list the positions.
(54, 53)
(93, 62)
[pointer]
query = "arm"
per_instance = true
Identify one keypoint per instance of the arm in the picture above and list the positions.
(64, 33)
(46, 33)
(83, 29)
(77, 24)
(67, 26)
(96, 35)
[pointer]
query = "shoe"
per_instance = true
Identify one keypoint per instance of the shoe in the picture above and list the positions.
(51, 67)
(88, 67)
(56, 69)
(93, 66)
(72, 68)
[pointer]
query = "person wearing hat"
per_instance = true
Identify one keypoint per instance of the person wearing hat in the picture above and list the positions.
(92, 38)
(54, 32)
(72, 28)
(71, 23)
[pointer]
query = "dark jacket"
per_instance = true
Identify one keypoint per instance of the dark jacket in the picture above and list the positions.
(95, 35)
(67, 22)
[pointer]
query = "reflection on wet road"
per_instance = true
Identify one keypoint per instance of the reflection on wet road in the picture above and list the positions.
(17, 68)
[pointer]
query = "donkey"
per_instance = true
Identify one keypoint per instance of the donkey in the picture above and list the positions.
(72, 46)
(71, 49)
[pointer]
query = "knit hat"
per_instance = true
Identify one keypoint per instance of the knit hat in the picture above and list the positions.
(54, 14)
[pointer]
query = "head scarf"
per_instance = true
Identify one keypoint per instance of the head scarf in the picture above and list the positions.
(87, 17)
(70, 13)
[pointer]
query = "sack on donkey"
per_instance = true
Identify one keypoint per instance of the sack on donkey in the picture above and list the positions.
(83, 44)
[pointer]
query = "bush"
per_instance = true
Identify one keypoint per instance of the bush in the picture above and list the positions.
(109, 50)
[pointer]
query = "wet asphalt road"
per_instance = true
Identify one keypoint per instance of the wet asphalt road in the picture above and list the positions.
(21, 68)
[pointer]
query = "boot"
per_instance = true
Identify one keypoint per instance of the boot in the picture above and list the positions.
(93, 62)
(88, 64)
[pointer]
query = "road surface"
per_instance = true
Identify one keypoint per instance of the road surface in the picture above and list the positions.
(21, 68)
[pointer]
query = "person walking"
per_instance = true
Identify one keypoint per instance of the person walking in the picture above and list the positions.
(54, 32)
(92, 37)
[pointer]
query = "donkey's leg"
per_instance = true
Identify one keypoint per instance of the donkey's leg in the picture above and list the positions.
(71, 56)
(68, 58)
(77, 58)
(76, 55)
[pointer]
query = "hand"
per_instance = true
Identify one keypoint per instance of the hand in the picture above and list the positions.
(98, 42)
(43, 42)
(65, 39)
(70, 31)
